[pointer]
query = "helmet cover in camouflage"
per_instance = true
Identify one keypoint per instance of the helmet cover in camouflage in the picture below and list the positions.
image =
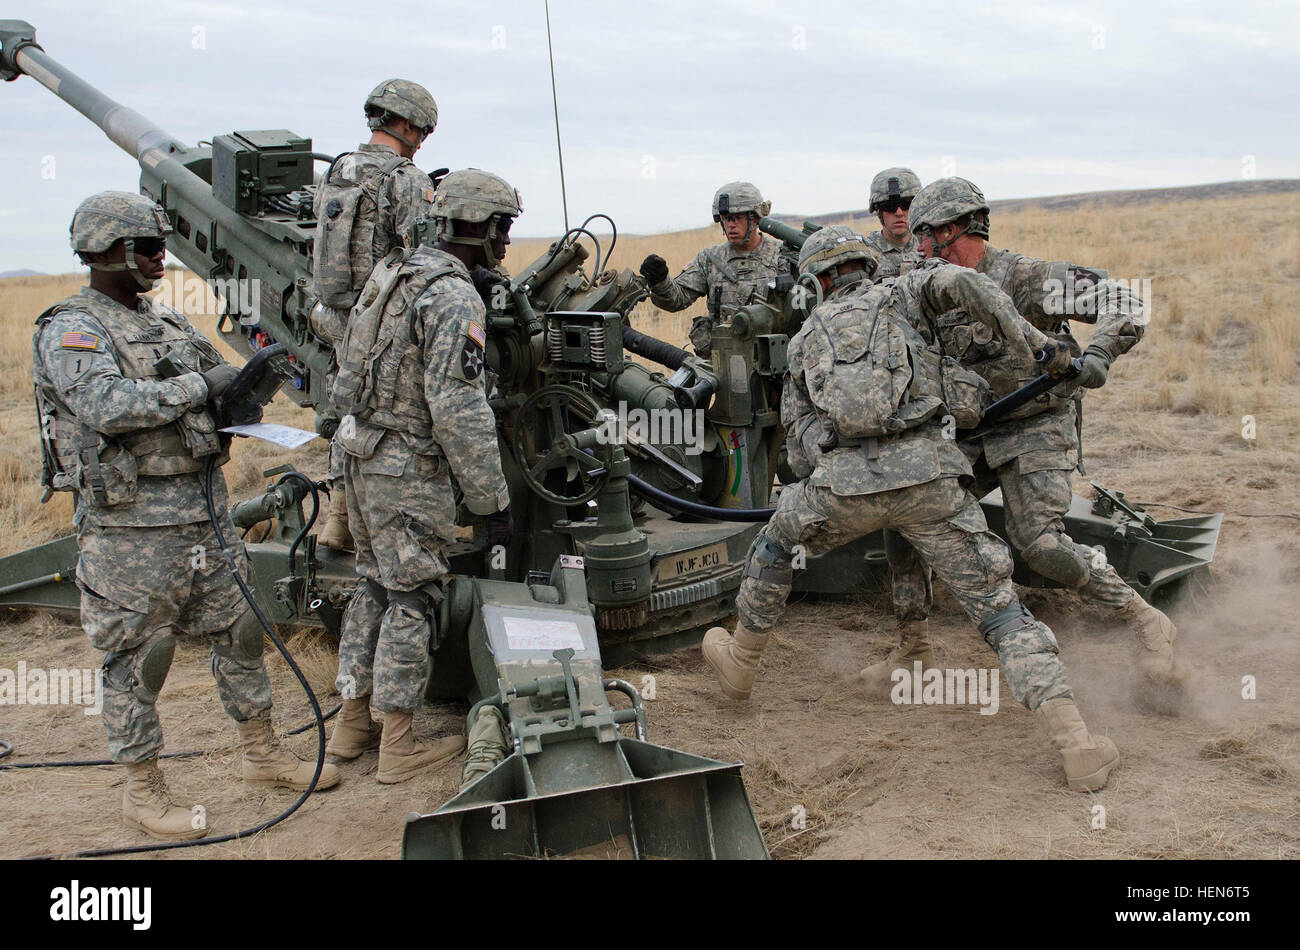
(829, 247)
(403, 98)
(107, 217)
(475, 195)
(893, 183)
(944, 201)
(738, 197)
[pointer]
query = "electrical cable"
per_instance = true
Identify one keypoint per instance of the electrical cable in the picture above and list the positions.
(674, 505)
(302, 681)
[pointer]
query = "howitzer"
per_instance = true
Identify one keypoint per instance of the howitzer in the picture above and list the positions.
(557, 343)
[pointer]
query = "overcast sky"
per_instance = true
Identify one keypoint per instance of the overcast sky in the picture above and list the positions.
(661, 102)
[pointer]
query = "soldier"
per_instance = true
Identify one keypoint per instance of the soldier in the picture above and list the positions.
(841, 259)
(892, 192)
(418, 421)
(133, 446)
(732, 275)
(907, 477)
(1030, 453)
(365, 207)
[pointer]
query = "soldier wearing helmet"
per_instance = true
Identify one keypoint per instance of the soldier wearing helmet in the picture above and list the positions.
(892, 192)
(417, 432)
(365, 206)
(132, 439)
(1030, 454)
(840, 259)
(729, 276)
(863, 466)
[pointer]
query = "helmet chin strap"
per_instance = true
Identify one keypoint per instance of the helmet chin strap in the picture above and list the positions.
(128, 248)
(413, 146)
(484, 242)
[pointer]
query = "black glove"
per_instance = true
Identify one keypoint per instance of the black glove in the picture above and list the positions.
(485, 282)
(500, 527)
(654, 269)
(1096, 364)
(219, 379)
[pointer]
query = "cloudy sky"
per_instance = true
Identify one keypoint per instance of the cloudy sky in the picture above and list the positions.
(660, 102)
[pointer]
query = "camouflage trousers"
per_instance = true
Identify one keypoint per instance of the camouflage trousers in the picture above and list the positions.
(401, 511)
(1035, 501)
(140, 588)
(942, 521)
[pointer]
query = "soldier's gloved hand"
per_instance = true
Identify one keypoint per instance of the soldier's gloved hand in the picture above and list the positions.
(1096, 364)
(219, 379)
(1059, 360)
(500, 527)
(654, 269)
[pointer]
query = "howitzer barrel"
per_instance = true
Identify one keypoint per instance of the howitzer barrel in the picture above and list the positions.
(782, 232)
(128, 129)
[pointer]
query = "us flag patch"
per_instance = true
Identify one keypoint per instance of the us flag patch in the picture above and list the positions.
(477, 333)
(79, 340)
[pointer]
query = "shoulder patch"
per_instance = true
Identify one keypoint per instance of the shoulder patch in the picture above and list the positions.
(80, 340)
(469, 362)
(477, 333)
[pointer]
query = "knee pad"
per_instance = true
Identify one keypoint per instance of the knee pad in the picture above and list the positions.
(144, 669)
(244, 643)
(769, 562)
(1016, 623)
(1059, 559)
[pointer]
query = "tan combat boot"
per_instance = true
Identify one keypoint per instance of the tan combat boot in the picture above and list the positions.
(146, 805)
(1088, 758)
(488, 747)
(335, 533)
(401, 757)
(266, 762)
(734, 657)
(913, 645)
(354, 731)
(1165, 678)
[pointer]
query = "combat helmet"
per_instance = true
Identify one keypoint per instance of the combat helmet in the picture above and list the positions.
(829, 247)
(737, 197)
(473, 195)
(946, 200)
(893, 183)
(406, 100)
(109, 216)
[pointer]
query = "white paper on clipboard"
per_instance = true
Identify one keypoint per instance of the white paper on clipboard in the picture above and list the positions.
(285, 436)
(528, 633)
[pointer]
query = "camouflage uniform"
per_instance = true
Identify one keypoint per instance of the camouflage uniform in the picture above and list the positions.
(895, 259)
(911, 482)
(133, 445)
(1030, 456)
(401, 460)
(393, 203)
(730, 279)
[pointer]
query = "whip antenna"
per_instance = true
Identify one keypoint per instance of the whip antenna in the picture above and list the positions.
(564, 200)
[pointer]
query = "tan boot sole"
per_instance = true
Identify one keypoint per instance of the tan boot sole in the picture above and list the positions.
(187, 835)
(401, 770)
(1095, 781)
(329, 777)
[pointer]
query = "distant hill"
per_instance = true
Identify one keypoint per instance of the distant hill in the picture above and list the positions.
(1225, 189)
(20, 273)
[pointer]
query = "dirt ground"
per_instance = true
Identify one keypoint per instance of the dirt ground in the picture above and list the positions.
(871, 779)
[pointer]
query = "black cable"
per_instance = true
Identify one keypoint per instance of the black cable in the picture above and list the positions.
(315, 510)
(1193, 511)
(613, 238)
(302, 680)
(559, 246)
(674, 505)
(7, 747)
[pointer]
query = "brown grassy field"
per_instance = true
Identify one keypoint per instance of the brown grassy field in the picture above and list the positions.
(874, 781)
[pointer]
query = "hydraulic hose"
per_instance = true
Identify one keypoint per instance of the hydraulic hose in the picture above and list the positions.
(674, 505)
